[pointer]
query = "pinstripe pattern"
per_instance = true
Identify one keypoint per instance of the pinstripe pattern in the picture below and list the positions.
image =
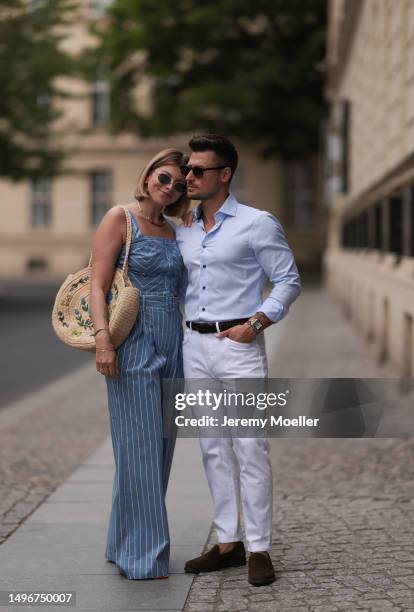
(138, 537)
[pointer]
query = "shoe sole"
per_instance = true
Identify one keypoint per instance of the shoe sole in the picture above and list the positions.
(218, 569)
(262, 582)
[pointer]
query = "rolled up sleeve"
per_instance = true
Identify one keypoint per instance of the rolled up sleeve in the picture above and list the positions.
(274, 255)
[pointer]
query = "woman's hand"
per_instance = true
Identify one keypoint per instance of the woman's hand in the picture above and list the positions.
(106, 359)
(188, 218)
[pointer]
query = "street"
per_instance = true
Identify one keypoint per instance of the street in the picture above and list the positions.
(32, 355)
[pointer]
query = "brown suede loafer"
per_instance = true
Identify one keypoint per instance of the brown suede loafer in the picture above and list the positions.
(212, 560)
(261, 570)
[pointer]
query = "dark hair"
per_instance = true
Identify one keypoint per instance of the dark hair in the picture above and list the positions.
(221, 146)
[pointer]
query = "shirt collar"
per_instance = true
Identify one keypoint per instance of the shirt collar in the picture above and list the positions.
(229, 207)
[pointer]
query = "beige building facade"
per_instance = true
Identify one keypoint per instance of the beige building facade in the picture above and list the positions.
(46, 228)
(369, 260)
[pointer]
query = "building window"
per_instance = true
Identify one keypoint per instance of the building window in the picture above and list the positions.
(355, 232)
(387, 227)
(101, 194)
(43, 104)
(98, 8)
(41, 202)
(362, 230)
(331, 165)
(396, 228)
(378, 241)
(301, 193)
(100, 103)
(345, 128)
(412, 222)
(36, 264)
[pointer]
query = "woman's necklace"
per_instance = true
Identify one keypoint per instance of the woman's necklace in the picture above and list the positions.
(148, 218)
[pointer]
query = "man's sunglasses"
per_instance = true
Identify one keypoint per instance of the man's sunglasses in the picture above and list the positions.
(198, 171)
(165, 179)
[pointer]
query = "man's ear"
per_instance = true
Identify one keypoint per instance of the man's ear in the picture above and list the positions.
(226, 174)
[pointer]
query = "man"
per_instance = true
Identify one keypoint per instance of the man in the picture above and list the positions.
(228, 251)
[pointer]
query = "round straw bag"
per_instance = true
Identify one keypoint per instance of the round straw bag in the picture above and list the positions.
(71, 316)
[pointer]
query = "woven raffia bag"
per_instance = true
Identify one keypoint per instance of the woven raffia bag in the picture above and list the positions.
(71, 317)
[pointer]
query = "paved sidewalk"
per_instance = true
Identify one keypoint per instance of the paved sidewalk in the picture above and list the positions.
(61, 545)
(44, 437)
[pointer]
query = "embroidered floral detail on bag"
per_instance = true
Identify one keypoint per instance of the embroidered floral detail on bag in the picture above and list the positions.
(75, 332)
(61, 318)
(112, 298)
(66, 301)
(85, 323)
(81, 281)
(84, 305)
(112, 294)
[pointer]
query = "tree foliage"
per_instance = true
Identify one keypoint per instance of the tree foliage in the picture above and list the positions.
(30, 61)
(247, 69)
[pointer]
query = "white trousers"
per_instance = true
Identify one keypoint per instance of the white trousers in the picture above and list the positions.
(235, 467)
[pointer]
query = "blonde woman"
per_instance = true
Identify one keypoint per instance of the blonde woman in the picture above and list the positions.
(138, 538)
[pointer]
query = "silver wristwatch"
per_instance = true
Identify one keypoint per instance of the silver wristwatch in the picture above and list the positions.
(256, 325)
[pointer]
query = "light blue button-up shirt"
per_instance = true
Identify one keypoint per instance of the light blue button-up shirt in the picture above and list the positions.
(226, 268)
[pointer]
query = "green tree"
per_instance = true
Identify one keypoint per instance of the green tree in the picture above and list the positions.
(251, 69)
(30, 61)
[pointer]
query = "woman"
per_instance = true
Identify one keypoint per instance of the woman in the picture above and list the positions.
(138, 539)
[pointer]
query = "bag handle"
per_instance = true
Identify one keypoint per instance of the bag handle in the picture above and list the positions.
(127, 243)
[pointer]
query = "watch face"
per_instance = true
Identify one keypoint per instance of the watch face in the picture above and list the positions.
(257, 325)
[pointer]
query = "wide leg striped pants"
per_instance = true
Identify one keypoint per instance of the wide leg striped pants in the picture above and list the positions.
(138, 537)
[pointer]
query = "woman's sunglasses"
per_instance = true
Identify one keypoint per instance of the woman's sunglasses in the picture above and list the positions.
(165, 179)
(198, 171)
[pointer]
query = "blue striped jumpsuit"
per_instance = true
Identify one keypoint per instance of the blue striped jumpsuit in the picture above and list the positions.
(138, 537)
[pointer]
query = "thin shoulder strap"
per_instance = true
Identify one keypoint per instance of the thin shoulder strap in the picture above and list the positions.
(127, 242)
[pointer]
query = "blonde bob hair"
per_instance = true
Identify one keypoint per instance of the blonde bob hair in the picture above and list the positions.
(165, 157)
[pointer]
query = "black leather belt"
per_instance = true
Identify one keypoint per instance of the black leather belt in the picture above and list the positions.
(211, 327)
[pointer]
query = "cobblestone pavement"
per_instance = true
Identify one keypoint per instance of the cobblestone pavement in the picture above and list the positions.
(343, 508)
(43, 438)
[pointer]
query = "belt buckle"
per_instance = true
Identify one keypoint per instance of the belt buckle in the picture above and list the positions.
(218, 327)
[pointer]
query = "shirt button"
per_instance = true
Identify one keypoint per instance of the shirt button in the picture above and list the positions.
(204, 265)
(204, 246)
(203, 287)
(203, 309)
